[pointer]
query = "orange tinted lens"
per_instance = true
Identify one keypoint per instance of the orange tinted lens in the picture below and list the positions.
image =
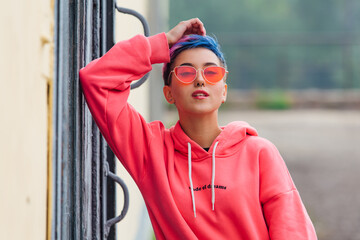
(214, 74)
(185, 74)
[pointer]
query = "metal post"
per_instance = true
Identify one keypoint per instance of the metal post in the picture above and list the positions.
(83, 31)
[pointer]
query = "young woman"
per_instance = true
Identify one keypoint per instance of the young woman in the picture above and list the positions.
(198, 180)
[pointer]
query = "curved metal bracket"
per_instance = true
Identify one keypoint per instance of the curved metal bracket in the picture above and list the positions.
(113, 221)
(146, 33)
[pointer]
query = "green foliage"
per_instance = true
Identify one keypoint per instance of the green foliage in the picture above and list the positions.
(273, 99)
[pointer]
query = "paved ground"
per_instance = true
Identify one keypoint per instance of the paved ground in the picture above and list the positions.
(322, 151)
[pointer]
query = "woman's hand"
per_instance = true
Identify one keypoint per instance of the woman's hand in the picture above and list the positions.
(191, 26)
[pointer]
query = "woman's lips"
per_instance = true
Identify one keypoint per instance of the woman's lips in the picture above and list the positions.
(200, 94)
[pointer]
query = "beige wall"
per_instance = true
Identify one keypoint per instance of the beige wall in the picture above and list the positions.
(25, 68)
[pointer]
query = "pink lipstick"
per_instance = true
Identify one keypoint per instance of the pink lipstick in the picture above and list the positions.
(200, 94)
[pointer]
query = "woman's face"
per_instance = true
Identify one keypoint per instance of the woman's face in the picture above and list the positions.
(198, 97)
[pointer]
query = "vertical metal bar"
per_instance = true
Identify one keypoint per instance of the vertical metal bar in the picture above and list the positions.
(108, 17)
(78, 29)
(56, 233)
(68, 217)
(109, 194)
(63, 200)
(96, 146)
(87, 127)
(104, 198)
(69, 122)
(84, 55)
(79, 149)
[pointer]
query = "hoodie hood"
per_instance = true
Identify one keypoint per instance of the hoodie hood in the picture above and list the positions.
(231, 135)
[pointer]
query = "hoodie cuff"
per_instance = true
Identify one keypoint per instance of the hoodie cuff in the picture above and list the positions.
(160, 52)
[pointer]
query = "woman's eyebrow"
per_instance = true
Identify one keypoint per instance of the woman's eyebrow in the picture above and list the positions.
(204, 65)
(209, 64)
(186, 64)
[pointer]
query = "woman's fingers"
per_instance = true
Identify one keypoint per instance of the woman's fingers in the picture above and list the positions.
(191, 26)
(194, 26)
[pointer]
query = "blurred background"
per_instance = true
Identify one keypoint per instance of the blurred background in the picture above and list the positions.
(293, 74)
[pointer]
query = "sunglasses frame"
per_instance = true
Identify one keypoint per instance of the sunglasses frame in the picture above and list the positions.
(197, 70)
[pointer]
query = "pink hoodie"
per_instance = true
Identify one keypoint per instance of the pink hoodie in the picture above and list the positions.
(239, 189)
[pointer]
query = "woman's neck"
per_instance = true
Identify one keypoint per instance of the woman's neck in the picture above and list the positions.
(203, 129)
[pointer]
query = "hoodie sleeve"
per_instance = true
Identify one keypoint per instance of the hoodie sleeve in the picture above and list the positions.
(106, 86)
(284, 212)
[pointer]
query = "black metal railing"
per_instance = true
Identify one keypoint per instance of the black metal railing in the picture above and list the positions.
(146, 33)
(83, 202)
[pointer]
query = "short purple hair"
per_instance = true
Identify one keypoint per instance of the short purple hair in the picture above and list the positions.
(188, 42)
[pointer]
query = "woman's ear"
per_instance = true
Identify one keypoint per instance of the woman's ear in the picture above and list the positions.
(224, 93)
(168, 95)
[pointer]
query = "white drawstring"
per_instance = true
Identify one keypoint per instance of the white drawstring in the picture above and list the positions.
(191, 183)
(213, 178)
